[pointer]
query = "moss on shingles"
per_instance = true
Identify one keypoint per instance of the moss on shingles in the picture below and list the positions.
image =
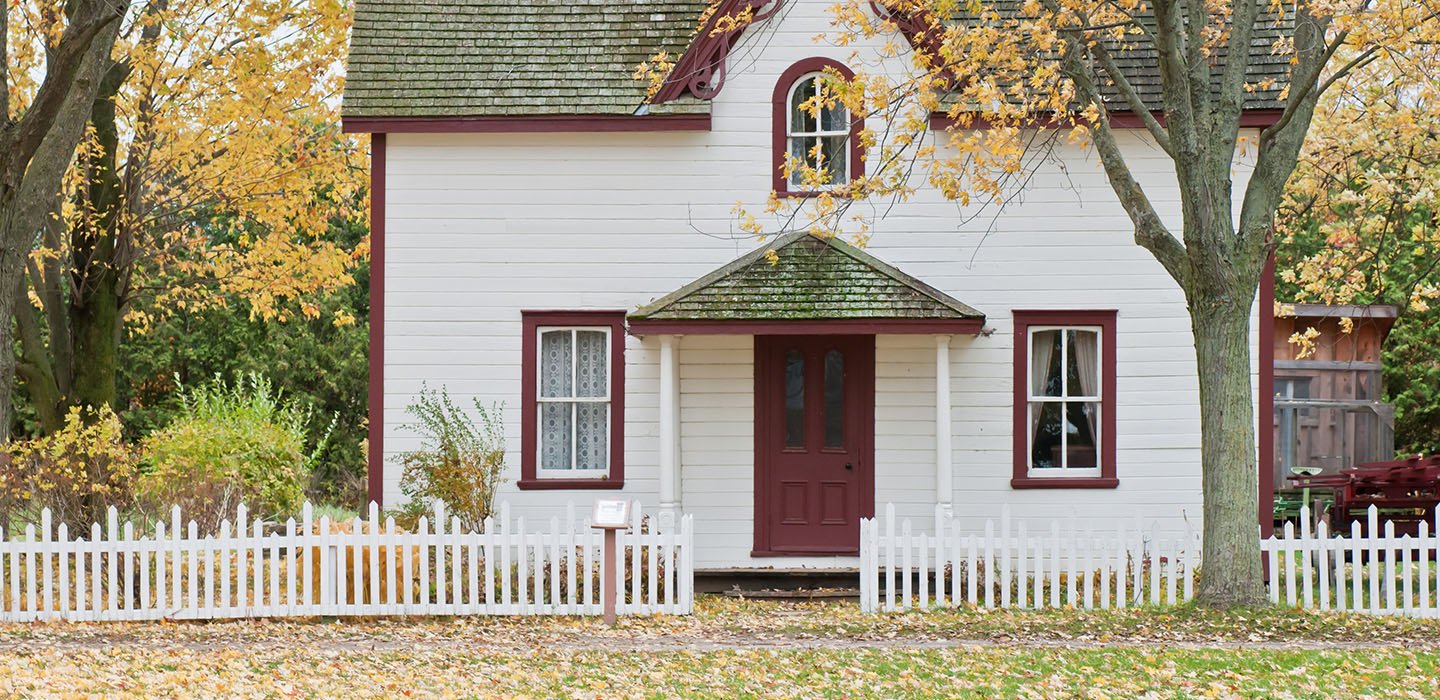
(487, 58)
(812, 278)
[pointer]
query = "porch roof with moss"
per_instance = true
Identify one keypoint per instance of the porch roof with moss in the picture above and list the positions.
(809, 279)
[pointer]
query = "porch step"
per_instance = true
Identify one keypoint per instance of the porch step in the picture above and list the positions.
(796, 582)
(802, 594)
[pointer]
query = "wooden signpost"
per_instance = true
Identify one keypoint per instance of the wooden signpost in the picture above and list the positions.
(610, 516)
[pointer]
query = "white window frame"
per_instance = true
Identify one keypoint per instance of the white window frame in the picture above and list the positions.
(574, 472)
(819, 133)
(1031, 401)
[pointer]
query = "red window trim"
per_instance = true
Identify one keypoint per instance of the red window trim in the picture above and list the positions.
(531, 321)
(1105, 319)
(778, 126)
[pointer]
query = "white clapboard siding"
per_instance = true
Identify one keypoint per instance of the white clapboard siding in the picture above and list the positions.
(1375, 572)
(249, 568)
(1011, 564)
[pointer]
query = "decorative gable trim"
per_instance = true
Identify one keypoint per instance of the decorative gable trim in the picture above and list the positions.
(701, 70)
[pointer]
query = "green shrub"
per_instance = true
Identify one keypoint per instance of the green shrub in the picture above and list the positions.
(460, 460)
(78, 472)
(228, 445)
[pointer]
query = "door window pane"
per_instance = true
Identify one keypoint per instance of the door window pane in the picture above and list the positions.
(794, 399)
(834, 399)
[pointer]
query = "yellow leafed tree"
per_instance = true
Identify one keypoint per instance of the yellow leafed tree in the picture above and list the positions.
(212, 167)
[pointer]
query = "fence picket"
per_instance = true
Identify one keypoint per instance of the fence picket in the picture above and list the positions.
(1391, 604)
(1322, 563)
(890, 558)
(1005, 555)
(989, 564)
(1423, 556)
(1406, 571)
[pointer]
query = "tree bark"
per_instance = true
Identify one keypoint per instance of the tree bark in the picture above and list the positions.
(1231, 574)
(94, 308)
(36, 150)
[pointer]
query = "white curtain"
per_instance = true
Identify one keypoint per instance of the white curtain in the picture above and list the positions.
(556, 361)
(1042, 353)
(1087, 368)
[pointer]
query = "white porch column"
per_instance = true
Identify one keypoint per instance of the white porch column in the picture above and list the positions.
(669, 424)
(944, 454)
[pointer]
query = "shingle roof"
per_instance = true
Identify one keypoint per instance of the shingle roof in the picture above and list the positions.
(415, 58)
(812, 278)
(1268, 72)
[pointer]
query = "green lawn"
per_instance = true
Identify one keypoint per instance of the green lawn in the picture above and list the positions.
(741, 649)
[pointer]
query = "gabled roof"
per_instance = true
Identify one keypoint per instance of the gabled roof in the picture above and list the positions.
(557, 58)
(411, 58)
(811, 279)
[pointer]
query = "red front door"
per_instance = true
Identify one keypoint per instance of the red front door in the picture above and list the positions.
(814, 442)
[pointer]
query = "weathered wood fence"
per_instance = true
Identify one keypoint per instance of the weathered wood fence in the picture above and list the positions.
(355, 567)
(1371, 570)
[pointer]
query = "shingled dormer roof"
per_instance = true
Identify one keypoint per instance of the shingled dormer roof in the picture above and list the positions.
(811, 279)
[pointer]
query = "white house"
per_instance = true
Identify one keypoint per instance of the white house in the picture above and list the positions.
(546, 239)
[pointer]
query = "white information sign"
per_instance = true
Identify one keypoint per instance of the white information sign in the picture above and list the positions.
(610, 514)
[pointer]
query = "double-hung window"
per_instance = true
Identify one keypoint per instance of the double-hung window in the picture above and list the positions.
(573, 399)
(1065, 398)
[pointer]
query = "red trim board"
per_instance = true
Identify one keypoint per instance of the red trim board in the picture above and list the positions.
(375, 440)
(838, 326)
(528, 124)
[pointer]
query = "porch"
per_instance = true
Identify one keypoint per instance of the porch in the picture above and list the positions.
(793, 385)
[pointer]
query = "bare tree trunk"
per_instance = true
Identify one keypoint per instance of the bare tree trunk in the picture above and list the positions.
(1231, 574)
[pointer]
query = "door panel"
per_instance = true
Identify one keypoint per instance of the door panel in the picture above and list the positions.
(814, 442)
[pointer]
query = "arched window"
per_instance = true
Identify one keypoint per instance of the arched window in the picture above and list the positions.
(827, 140)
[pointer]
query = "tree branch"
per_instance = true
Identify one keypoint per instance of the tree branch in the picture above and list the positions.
(1150, 231)
(1127, 90)
(63, 65)
(1177, 94)
(4, 66)
(1232, 79)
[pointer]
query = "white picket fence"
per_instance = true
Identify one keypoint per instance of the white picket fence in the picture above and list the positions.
(315, 567)
(1011, 566)
(1372, 570)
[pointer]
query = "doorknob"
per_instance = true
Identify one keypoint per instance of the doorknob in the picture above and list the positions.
(849, 466)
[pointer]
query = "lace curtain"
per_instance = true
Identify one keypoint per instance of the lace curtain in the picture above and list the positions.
(574, 434)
